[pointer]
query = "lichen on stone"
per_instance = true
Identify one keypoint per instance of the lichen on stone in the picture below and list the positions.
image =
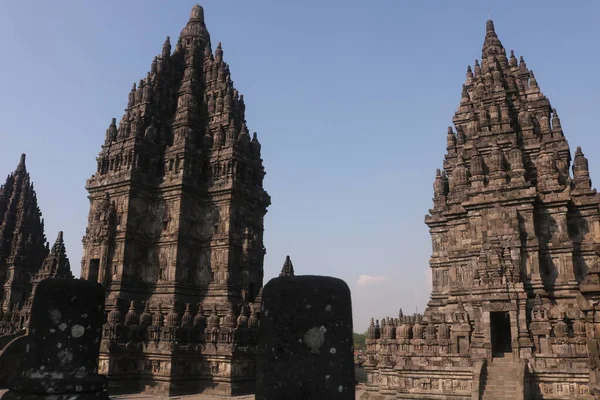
(314, 338)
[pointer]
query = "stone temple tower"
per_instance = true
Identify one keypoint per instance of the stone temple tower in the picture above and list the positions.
(514, 235)
(22, 240)
(175, 227)
(25, 259)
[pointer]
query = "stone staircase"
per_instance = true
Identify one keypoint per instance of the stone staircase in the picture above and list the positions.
(502, 379)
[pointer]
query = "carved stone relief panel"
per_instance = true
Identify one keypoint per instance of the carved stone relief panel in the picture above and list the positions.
(164, 272)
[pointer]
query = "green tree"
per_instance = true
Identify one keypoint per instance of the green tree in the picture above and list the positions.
(359, 341)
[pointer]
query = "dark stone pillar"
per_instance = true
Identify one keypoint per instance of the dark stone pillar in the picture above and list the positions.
(305, 340)
(61, 358)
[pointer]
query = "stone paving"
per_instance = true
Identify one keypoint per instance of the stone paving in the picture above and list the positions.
(359, 391)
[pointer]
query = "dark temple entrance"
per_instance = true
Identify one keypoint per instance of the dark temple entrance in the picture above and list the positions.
(500, 327)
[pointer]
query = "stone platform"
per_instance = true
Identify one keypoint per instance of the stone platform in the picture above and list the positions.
(359, 392)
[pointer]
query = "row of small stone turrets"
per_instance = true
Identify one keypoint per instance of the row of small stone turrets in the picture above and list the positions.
(485, 118)
(173, 319)
(464, 176)
(477, 116)
(411, 327)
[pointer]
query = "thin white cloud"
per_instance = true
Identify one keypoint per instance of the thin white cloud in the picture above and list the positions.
(365, 280)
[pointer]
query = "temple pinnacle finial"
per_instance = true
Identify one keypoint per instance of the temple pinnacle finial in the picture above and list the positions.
(197, 12)
(166, 50)
(59, 238)
(489, 26)
(21, 167)
(219, 52)
(195, 28)
(288, 268)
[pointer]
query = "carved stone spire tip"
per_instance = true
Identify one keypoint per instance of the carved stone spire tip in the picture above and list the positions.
(288, 268)
(197, 12)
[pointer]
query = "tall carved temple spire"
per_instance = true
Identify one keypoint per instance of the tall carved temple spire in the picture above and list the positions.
(513, 236)
(22, 240)
(177, 201)
(511, 150)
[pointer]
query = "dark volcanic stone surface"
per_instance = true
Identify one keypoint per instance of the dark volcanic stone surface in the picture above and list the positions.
(305, 349)
(63, 342)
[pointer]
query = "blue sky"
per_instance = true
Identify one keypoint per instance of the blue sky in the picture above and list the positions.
(351, 101)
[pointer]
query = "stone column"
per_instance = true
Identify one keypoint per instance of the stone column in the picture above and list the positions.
(63, 344)
(305, 340)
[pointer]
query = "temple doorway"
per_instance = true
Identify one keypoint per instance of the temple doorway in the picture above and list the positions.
(501, 337)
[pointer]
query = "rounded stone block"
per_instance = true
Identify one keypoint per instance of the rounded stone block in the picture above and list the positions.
(305, 341)
(63, 343)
